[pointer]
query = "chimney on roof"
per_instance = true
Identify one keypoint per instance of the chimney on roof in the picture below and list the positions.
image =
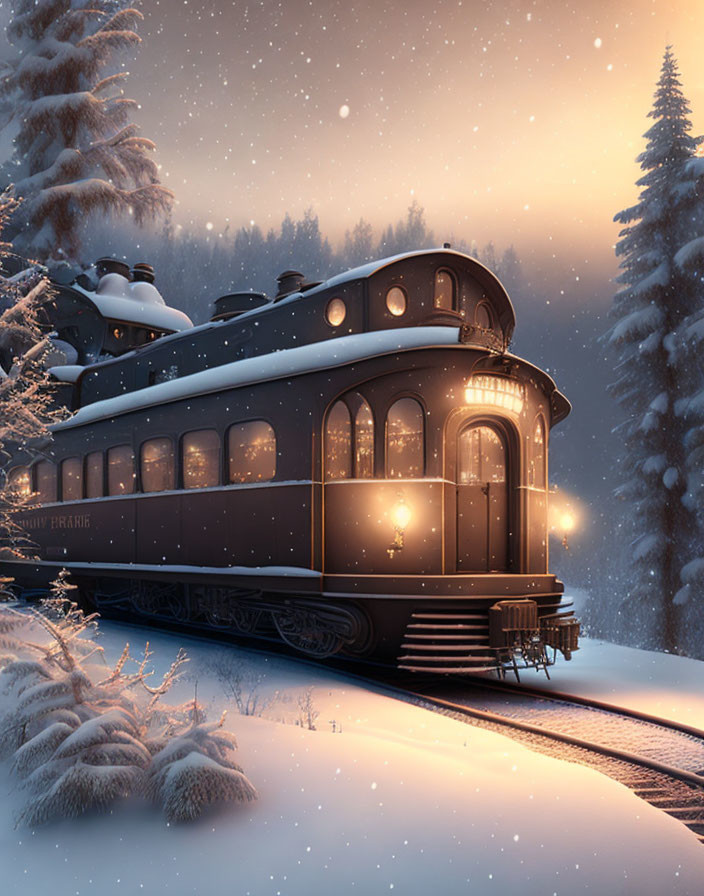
(288, 282)
(142, 273)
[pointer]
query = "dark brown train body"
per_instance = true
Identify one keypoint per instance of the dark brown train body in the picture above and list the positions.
(356, 466)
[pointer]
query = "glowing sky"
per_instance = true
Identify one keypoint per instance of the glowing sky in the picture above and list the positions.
(518, 122)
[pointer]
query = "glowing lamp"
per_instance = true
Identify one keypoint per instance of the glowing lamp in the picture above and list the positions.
(567, 522)
(495, 391)
(400, 517)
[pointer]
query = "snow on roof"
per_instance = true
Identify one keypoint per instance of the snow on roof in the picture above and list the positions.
(286, 363)
(66, 373)
(131, 308)
(366, 270)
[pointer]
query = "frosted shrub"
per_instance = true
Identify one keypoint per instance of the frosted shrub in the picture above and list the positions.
(195, 770)
(80, 736)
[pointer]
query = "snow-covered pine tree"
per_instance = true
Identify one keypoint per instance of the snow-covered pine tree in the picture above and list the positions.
(26, 397)
(689, 347)
(75, 151)
(649, 309)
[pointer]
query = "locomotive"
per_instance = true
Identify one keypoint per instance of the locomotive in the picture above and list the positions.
(356, 466)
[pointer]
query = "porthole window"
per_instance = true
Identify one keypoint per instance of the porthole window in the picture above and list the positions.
(338, 443)
(364, 442)
(335, 312)
(121, 470)
(20, 482)
(200, 452)
(445, 297)
(251, 449)
(72, 479)
(482, 316)
(157, 465)
(396, 301)
(405, 440)
(45, 472)
(94, 475)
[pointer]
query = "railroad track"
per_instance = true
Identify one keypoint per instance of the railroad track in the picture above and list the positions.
(661, 761)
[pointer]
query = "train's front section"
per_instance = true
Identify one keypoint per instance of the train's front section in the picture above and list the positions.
(435, 471)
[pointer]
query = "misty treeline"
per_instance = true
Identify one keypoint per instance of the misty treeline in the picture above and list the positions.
(656, 345)
(195, 266)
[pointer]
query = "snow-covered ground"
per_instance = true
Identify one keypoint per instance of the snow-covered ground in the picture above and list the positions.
(381, 797)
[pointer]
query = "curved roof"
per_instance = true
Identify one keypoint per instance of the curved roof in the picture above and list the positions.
(489, 280)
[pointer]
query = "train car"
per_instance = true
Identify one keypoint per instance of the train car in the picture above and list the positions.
(357, 466)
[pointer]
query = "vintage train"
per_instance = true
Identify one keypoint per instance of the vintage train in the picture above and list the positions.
(356, 466)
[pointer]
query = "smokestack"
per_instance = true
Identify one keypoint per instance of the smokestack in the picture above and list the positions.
(288, 282)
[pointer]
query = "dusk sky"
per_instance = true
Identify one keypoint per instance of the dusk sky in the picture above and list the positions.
(517, 122)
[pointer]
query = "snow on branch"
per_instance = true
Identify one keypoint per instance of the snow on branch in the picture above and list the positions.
(80, 740)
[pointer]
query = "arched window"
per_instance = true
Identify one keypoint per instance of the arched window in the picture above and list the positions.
(338, 443)
(364, 442)
(405, 440)
(536, 463)
(482, 316)
(251, 451)
(482, 456)
(445, 290)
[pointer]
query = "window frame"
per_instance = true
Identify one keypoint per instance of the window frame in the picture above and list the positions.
(103, 468)
(174, 465)
(106, 486)
(454, 283)
(65, 460)
(181, 465)
(226, 454)
(424, 445)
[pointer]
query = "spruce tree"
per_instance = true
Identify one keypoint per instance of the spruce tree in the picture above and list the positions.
(650, 308)
(75, 151)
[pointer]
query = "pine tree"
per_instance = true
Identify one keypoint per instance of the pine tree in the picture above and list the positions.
(689, 348)
(26, 397)
(75, 151)
(650, 309)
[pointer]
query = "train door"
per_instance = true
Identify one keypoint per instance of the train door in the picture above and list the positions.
(482, 500)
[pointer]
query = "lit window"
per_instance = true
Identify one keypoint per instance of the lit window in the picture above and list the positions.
(157, 465)
(335, 312)
(94, 475)
(482, 456)
(444, 290)
(536, 468)
(251, 449)
(72, 479)
(45, 472)
(396, 301)
(20, 482)
(405, 440)
(338, 443)
(121, 471)
(497, 391)
(200, 452)
(482, 316)
(364, 442)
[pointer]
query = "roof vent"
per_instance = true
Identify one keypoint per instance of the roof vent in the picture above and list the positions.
(142, 273)
(108, 265)
(237, 303)
(289, 282)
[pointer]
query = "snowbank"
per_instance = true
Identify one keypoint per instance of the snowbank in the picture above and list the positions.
(398, 800)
